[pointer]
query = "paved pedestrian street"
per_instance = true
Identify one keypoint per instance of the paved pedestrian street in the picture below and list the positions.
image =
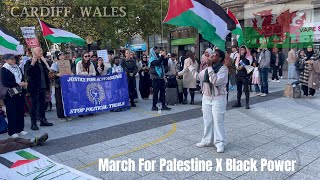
(275, 128)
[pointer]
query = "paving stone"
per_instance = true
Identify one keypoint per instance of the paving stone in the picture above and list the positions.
(263, 175)
(67, 155)
(120, 175)
(94, 148)
(92, 157)
(189, 152)
(154, 176)
(300, 176)
(74, 163)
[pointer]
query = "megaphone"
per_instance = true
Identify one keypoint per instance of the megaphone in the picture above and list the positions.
(248, 68)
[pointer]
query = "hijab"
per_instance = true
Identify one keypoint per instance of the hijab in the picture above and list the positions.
(153, 57)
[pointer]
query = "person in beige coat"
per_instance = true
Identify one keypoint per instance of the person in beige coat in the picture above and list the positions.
(85, 67)
(189, 82)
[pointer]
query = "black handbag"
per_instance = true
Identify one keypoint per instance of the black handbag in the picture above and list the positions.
(14, 91)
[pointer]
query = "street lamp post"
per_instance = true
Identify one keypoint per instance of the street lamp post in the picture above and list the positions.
(161, 26)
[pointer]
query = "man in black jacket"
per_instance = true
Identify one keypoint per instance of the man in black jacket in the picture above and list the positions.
(158, 82)
(130, 67)
(277, 61)
(38, 84)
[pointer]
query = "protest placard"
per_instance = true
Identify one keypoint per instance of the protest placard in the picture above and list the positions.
(104, 55)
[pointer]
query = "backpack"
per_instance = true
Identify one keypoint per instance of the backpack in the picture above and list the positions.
(3, 90)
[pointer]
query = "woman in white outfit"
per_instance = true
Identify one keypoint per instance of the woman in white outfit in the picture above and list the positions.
(214, 79)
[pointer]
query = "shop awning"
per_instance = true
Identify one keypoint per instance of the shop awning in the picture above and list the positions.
(185, 41)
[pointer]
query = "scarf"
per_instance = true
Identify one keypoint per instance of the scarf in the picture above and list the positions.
(15, 70)
(153, 57)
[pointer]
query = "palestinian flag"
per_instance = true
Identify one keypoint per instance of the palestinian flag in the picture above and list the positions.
(8, 41)
(17, 159)
(56, 35)
(212, 22)
(238, 30)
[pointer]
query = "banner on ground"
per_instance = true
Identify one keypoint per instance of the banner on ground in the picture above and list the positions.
(29, 34)
(87, 95)
(29, 164)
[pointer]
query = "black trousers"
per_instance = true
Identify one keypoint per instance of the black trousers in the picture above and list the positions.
(275, 72)
(191, 90)
(280, 70)
(38, 101)
(59, 103)
(144, 87)
(159, 85)
(15, 113)
(243, 82)
(132, 88)
(308, 91)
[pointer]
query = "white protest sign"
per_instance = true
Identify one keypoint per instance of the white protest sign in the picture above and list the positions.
(104, 55)
(28, 32)
(29, 164)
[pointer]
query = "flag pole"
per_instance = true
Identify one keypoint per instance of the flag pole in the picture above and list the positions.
(41, 30)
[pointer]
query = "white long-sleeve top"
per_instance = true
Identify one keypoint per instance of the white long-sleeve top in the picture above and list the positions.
(80, 70)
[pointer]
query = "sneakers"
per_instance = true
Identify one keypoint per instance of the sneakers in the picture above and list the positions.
(154, 108)
(247, 106)
(220, 149)
(281, 77)
(263, 95)
(258, 94)
(42, 139)
(277, 81)
(237, 105)
(133, 105)
(201, 145)
(23, 133)
(165, 108)
(14, 135)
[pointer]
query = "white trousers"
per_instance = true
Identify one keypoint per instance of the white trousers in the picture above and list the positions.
(292, 72)
(213, 117)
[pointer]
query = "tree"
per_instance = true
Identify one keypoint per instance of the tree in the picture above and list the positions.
(142, 17)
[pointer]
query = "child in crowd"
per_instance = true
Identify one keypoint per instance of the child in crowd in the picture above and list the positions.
(256, 78)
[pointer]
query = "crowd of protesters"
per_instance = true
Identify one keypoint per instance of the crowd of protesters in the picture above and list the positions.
(168, 77)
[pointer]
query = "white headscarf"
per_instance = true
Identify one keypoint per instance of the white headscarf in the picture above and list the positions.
(15, 70)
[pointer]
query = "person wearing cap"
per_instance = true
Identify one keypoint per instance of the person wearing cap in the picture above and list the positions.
(12, 78)
(58, 96)
(38, 83)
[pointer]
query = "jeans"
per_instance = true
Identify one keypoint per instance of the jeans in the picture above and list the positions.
(292, 72)
(213, 117)
(159, 85)
(264, 80)
(38, 101)
(257, 88)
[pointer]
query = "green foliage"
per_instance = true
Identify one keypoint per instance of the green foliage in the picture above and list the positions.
(143, 17)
